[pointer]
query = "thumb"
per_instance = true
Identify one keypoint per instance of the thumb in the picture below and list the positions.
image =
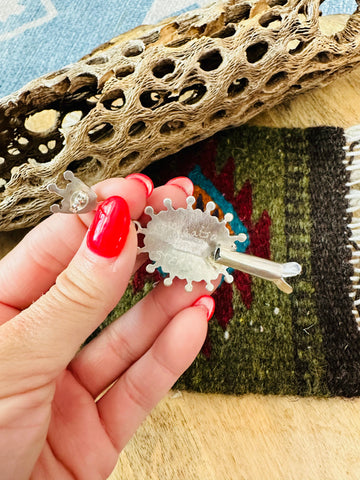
(41, 340)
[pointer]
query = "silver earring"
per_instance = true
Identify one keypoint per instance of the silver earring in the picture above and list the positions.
(195, 246)
(77, 196)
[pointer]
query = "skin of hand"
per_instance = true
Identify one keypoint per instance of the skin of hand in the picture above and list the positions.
(56, 287)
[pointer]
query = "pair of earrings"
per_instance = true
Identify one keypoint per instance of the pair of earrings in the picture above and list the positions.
(186, 243)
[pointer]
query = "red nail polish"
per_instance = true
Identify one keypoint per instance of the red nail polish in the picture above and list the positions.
(145, 180)
(208, 303)
(109, 230)
(184, 183)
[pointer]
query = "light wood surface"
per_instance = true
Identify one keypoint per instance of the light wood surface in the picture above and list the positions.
(215, 437)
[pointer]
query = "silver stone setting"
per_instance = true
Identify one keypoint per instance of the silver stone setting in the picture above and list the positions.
(77, 196)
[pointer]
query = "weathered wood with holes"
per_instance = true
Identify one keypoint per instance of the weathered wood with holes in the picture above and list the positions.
(157, 89)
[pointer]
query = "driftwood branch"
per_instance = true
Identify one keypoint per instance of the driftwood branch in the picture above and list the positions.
(152, 91)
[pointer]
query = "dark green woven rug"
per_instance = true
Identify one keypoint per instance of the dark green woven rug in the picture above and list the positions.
(288, 188)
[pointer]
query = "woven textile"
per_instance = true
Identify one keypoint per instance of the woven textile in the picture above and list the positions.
(40, 36)
(287, 187)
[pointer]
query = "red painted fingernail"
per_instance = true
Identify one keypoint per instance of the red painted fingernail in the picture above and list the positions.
(145, 180)
(208, 303)
(184, 183)
(109, 230)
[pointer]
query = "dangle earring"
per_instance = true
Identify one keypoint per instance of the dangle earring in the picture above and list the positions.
(77, 196)
(196, 246)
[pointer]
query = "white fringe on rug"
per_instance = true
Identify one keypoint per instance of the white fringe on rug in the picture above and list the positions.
(352, 163)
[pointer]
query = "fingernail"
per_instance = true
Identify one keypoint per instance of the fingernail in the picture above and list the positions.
(184, 183)
(109, 230)
(208, 303)
(145, 180)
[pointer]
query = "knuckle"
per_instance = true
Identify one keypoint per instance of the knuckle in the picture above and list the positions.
(165, 369)
(75, 287)
(136, 394)
(160, 304)
(120, 347)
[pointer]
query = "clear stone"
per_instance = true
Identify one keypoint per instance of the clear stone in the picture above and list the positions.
(79, 201)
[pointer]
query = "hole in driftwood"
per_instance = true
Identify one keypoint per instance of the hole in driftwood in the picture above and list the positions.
(238, 86)
(71, 118)
(22, 141)
(134, 48)
(100, 132)
(106, 77)
(43, 148)
(114, 100)
(309, 10)
(325, 57)
(25, 201)
(258, 104)
(83, 84)
(293, 45)
(172, 126)
(299, 48)
(313, 76)
(273, 3)
(84, 164)
(137, 129)
(2, 184)
(14, 151)
(42, 122)
(217, 115)
(256, 52)
(271, 20)
(93, 99)
(97, 61)
(129, 159)
(164, 68)
(150, 99)
(151, 37)
(82, 94)
(337, 24)
(16, 219)
(192, 94)
(178, 43)
(210, 60)
(226, 32)
(276, 79)
(122, 72)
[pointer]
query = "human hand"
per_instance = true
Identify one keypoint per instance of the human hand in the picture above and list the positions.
(56, 287)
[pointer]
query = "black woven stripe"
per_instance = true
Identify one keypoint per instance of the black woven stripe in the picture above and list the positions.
(330, 260)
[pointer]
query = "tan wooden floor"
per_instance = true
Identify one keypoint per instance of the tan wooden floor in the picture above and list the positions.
(217, 437)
